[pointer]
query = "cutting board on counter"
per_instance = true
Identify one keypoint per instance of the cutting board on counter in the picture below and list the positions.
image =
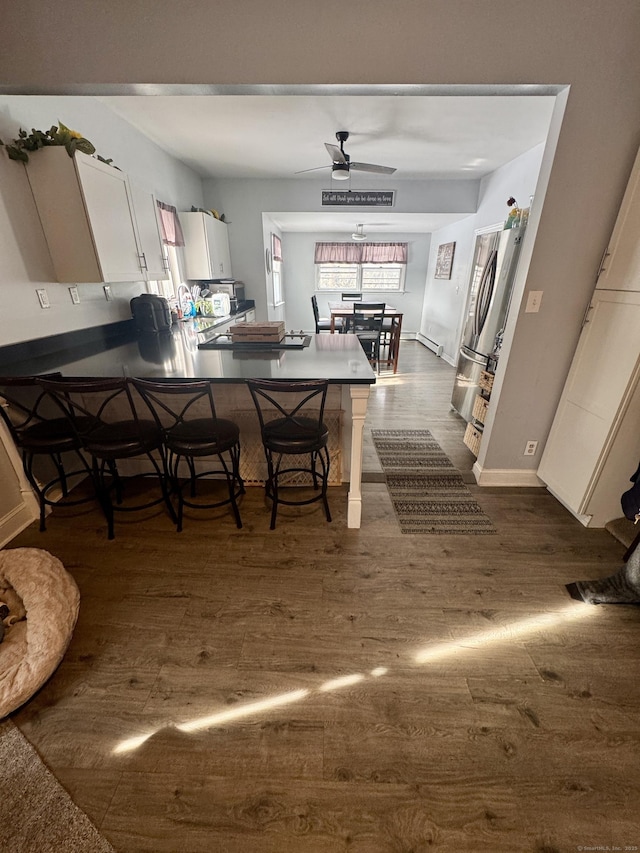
(258, 332)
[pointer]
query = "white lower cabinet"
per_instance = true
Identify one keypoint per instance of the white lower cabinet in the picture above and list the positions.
(594, 444)
(92, 229)
(206, 250)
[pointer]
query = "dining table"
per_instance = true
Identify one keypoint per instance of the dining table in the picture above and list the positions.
(392, 328)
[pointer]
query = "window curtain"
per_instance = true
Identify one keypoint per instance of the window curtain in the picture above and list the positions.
(276, 244)
(361, 253)
(384, 253)
(170, 225)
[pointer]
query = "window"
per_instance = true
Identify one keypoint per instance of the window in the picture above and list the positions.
(276, 269)
(172, 238)
(363, 266)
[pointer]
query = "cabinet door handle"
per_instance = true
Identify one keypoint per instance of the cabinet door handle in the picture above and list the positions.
(602, 268)
(585, 319)
(143, 261)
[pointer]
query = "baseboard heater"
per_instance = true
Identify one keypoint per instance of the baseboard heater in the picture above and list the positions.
(432, 345)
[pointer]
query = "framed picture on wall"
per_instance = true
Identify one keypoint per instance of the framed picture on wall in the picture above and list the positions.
(444, 261)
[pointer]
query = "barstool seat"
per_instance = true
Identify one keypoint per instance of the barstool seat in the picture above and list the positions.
(185, 413)
(37, 429)
(106, 422)
(297, 429)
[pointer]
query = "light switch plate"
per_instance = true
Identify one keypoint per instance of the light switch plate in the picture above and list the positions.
(43, 297)
(533, 302)
(75, 296)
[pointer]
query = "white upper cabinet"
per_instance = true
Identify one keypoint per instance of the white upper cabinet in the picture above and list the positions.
(87, 213)
(620, 269)
(154, 258)
(206, 250)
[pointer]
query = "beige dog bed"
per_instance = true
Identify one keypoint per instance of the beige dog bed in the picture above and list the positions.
(33, 647)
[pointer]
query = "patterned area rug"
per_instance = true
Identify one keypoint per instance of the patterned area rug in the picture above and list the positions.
(427, 492)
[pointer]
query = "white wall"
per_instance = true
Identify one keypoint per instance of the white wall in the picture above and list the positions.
(26, 264)
(445, 300)
(298, 252)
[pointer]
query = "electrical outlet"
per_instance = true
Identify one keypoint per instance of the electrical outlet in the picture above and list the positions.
(43, 297)
(75, 296)
(107, 293)
(530, 448)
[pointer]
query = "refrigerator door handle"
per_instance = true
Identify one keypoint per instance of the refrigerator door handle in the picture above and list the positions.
(485, 292)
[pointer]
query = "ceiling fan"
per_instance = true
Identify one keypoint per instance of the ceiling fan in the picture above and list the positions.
(342, 163)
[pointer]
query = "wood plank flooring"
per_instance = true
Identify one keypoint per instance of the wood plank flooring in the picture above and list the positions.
(316, 689)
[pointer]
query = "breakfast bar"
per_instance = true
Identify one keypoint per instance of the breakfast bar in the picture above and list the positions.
(184, 353)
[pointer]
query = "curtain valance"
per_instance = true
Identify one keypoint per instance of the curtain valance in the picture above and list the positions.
(170, 225)
(361, 253)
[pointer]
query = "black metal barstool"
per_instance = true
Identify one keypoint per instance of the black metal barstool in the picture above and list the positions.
(186, 414)
(106, 421)
(37, 429)
(291, 424)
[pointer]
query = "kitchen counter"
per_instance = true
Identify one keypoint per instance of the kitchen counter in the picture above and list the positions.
(175, 355)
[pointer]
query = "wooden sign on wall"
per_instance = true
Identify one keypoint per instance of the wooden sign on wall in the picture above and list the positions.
(366, 198)
(444, 261)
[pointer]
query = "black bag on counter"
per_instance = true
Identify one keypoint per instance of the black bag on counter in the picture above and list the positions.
(630, 499)
(151, 312)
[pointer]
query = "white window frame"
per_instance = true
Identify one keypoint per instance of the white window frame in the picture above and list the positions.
(169, 287)
(356, 283)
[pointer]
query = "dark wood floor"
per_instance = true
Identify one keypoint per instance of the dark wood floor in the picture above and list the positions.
(480, 708)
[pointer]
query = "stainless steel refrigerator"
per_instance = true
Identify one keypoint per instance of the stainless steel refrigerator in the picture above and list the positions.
(492, 273)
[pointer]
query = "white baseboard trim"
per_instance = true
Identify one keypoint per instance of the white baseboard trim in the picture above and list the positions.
(506, 477)
(15, 522)
(429, 344)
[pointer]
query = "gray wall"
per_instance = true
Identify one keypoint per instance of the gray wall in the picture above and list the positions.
(445, 300)
(591, 47)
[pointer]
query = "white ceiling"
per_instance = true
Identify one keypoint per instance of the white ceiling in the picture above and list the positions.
(276, 136)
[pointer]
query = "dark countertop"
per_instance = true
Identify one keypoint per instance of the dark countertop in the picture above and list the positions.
(175, 355)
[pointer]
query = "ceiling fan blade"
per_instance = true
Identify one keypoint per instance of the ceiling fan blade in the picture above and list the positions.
(315, 169)
(335, 153)
(371, 167)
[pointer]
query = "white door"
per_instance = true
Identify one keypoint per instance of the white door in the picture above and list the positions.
(601, 382)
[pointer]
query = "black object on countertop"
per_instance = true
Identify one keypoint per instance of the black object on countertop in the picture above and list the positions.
(150, 312)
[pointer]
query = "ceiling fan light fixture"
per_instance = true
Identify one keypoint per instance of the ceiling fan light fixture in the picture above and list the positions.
(340, 172)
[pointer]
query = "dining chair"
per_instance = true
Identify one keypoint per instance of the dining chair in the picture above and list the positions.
(368, 328)
(106, 422)
(323, 324)
(390, 341)
(185, 413)
(39, 430)
(351, 297)
(291, 425)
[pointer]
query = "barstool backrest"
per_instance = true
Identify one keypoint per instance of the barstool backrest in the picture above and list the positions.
(297, 403)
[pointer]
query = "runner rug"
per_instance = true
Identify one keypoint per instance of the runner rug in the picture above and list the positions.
(428, 493)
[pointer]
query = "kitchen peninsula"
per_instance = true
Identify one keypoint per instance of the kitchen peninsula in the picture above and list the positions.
(118, 350)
